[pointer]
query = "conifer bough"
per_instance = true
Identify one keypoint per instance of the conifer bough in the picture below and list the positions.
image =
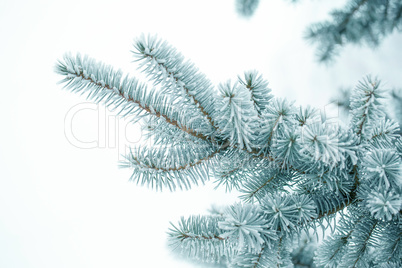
(297, 173)
(358, 22)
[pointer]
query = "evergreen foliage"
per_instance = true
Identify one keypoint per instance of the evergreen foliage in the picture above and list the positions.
(246, 8)
(394, 111)
(297, 173)
(358, 22)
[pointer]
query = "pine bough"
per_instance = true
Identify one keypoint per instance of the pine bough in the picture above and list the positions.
(394, 104)
(358, 22)
(297, 173)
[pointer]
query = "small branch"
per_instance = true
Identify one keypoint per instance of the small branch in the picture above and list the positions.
(230, 172)
(279, 251)
(262, 186)
(344, 23)
(365, 242)
(249, 87)
(350, 199)
(259, 257)
(273, 128)
(180, 167)
(148, 109)
(201, 237)
(196, 102)
(395, 244)
(340, 208)
(360, 128)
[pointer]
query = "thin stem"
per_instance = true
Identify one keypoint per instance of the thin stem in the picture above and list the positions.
(365, 242)
(180, 167)
(279, 251)
(199, 237)
(150, 111)
(345, 238)
(344, 23)
(350, 199)
(262, 186)
(273, 129)
(196, 102)
(259, 257)
(370, 95)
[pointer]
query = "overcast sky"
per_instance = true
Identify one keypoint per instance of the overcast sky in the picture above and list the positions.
(63, 200)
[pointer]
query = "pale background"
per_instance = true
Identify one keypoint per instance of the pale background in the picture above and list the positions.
(64, 206)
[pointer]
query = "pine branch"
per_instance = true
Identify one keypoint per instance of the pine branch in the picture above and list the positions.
(343, 25)
(234, 167)
(277, 116)
(329, 254)
(246, 226)
(347, 201)
(252, 194)
(365, 242)
(171, 166)
(259, 258)
(246, 8)
(360, 21)
(366, 106)
(390, 245)
(358, 244)
(200, 237)
(279, 251)
(260, 93)
(87, 74)
(133, 159)
(297, 171)
(166, 66)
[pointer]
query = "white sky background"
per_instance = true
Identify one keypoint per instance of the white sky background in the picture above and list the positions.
(63, 206)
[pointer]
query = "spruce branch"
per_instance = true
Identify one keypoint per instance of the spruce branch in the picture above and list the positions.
(160, 133)
(365, 103)
(105, 84)
(385, 132)
(328, 204)
(355, 6)
(295, 170)
(268, 180)
(234, 166)
(200, 237)
(259, 258)
(247, 226)
(166, 66)
(359, 22)
(260, 93)
(171, 166)
(278, 115)
(246, 8)
(133, 158)
(238, 119)
(390, 250)
(332, 249)
(254, 193)
(252, 260)
(358, 244)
